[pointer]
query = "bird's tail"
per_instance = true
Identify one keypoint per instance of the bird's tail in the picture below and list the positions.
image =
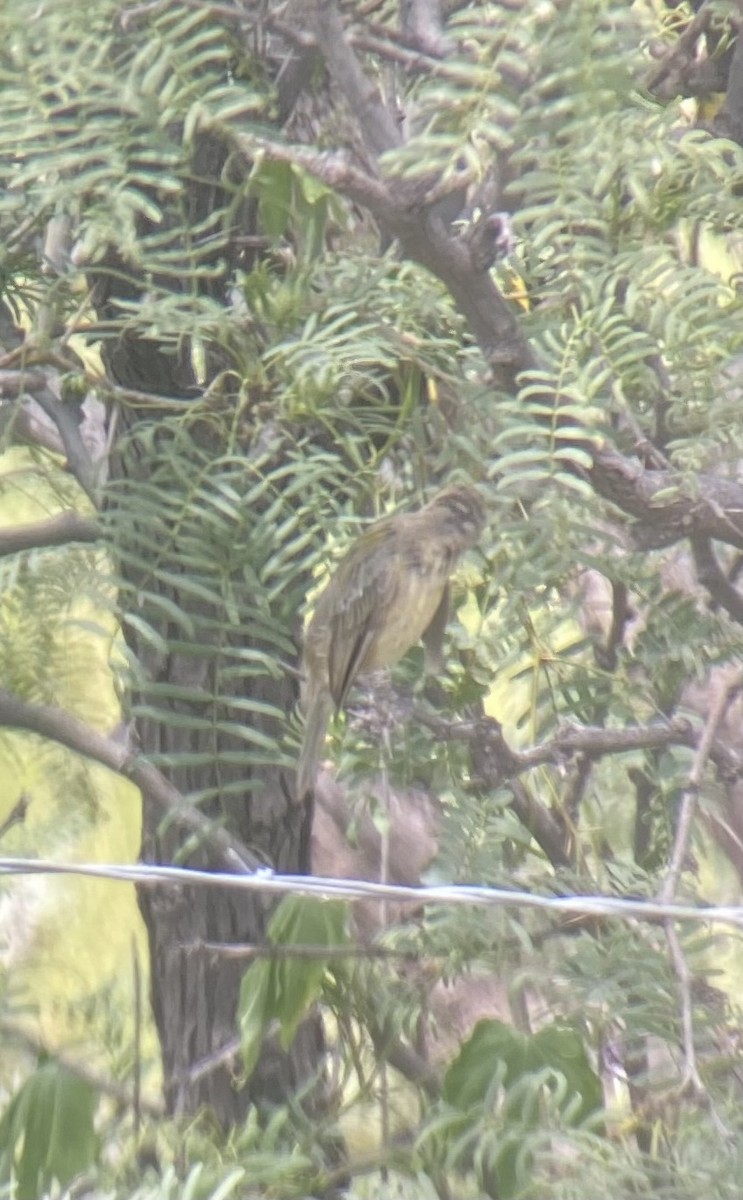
(318, 709)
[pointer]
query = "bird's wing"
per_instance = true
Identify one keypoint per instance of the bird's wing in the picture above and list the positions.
(369, 586)
(433, 636)
(318, 709)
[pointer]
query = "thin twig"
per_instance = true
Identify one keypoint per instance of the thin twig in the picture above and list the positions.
(691, 1078)
(17, 814)
(34, 383)
(137, 1066)
(418, 62)
(99, 1082)
(211, 1062)
(711, 575)
(594, 740)
(704, 751)
(69, 731)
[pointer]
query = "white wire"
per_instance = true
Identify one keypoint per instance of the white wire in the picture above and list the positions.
(360, 889)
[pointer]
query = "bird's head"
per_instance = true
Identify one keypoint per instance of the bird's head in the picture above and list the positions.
(460, 512)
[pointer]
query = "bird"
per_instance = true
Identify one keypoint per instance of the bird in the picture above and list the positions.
(389, 591)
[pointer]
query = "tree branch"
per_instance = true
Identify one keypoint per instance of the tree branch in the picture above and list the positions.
(659, 501)
(424, 239)
(332, 168)
(499, 763)
(664, 508)
(679, 71)
(100, 1083)
(69, 731)
(418, 62)
(705, 750)
(691, 1079)
(378, 128)
(496, 764)
(731, 686)
(543, 826)
(729, 121)
(65, 528)
(17, 814)
(711, 576)
(35, 385)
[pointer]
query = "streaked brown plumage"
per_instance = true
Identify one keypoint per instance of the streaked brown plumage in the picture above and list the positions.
(388, 591)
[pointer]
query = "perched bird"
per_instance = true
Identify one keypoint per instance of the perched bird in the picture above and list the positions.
(389, 590)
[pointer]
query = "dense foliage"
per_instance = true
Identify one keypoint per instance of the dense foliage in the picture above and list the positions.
(315, 259)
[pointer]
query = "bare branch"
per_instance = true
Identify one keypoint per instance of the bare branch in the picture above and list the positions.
(662, 505)
(599, 741)
(226, 1053)
(731, 686)
(543, 826)
(711, 575)
(17, 814)
(496, 764)
(35, 385)
(422, 20)
(595, 741)
(705, 750)
(332, 168)
(692, 1078)
(100, 1083)
(62, 530)
(729, 121)
(606, 655)
(675, 72)
(416, 62)
(377, 125)
(69, 731)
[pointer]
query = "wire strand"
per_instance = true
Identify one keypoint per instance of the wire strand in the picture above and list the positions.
(358, 889)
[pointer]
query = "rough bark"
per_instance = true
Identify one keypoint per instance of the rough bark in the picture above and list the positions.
(194, 998)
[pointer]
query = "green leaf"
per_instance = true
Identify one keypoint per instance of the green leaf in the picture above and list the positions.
(274, 184)
(254, 1011)
(470, 1076)
(47, 1134)
(495, 1050)
(283, 989)
(300, 922)
(563, 1050)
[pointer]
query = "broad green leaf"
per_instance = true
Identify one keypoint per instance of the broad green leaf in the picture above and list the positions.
(47, 1133)
(254, 1011)
(494, 1045)
(303, 921)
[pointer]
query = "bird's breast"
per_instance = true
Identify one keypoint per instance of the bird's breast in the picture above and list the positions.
(420, 588)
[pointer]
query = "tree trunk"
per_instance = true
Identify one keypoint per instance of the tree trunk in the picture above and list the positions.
(195, 992)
